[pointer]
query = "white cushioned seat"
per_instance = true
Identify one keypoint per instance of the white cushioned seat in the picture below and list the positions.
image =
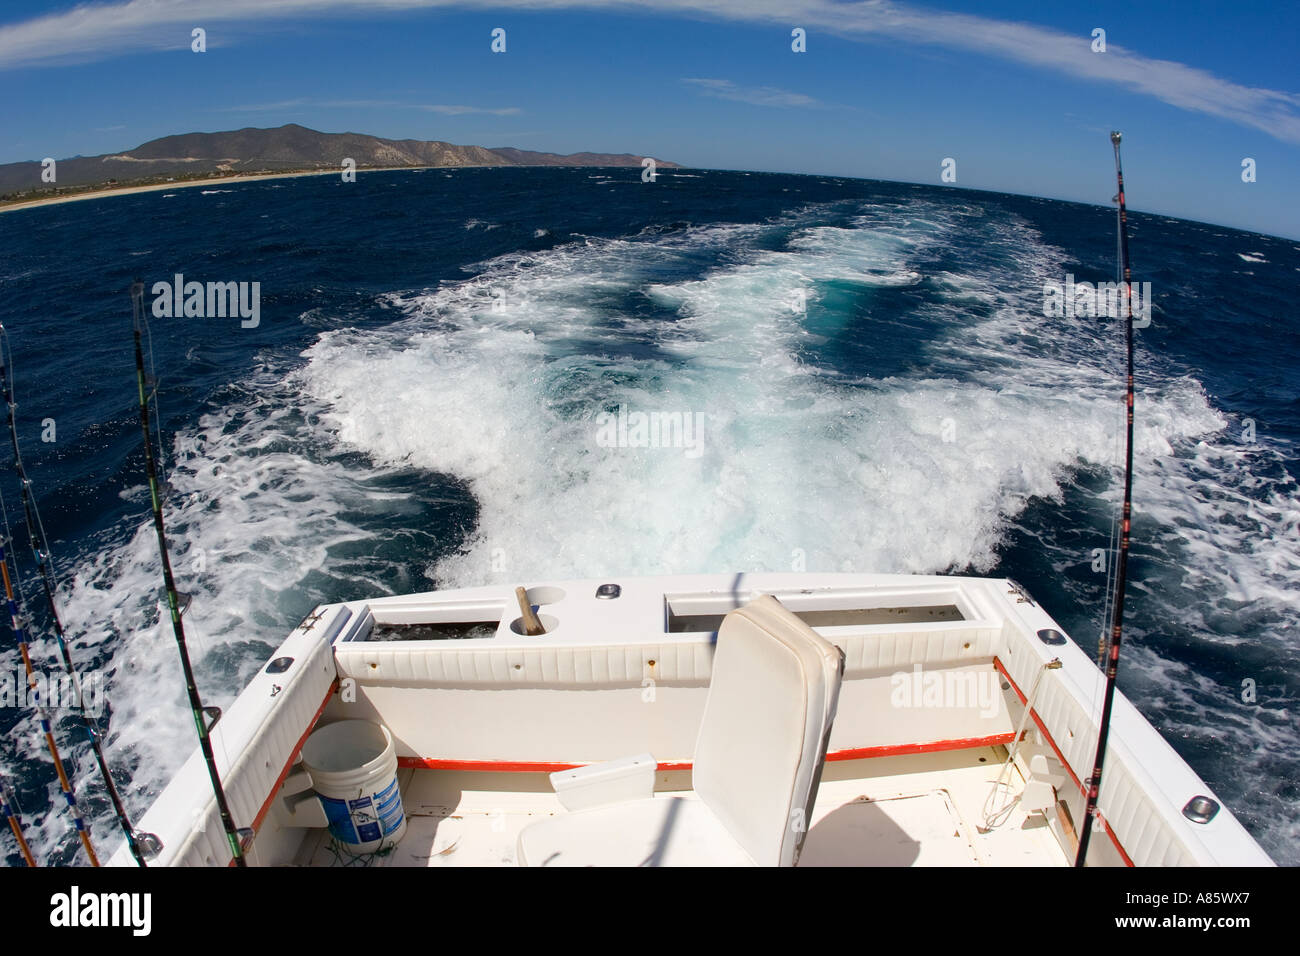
(758, 760)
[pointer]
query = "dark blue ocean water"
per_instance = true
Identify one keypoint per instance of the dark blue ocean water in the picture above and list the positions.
(418, 406)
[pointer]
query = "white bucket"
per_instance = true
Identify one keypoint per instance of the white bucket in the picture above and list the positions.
(353, 769)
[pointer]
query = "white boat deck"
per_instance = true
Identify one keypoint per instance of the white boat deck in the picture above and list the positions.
(917, 810)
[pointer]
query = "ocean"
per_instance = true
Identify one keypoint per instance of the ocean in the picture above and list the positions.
(877, 386)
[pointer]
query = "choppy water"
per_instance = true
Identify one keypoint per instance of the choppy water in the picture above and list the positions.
(420, 402)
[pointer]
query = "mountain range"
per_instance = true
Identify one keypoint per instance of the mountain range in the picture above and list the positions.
(289, 148)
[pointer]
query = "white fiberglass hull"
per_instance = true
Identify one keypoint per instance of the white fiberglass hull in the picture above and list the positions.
(937, 672)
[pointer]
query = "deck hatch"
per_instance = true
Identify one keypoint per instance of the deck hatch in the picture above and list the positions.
(703, 613)
(456, 621)
(441, 631)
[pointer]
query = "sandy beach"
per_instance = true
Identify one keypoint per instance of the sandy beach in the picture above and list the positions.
(223, 180)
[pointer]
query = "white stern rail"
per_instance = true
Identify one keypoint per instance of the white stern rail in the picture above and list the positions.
(579, 693)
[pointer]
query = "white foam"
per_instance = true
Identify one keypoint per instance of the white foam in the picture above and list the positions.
(490, 397)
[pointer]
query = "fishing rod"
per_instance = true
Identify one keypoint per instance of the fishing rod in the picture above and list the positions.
(233, 835)
(1112, 543)
(41, 552)
(47, 728)
(1121, 567)
(9, 808)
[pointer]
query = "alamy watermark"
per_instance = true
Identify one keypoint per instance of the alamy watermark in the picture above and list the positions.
(626, 429)
(1104, 299)
(212, 300)
(959, 689)
(52, 691)
(78, 908)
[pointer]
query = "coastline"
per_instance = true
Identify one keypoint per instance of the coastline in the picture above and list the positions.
(217, 181)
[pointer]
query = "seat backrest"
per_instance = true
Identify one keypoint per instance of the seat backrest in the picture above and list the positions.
(762, 742)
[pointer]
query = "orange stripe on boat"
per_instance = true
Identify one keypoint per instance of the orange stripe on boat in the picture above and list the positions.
(293, 755)
(938, 746)
(549, 766)
(510, 766)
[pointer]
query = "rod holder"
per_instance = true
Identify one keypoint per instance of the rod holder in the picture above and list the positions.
(532, 624)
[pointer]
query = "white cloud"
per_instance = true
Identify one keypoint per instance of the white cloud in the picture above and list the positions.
(106, 30)
(757, 95)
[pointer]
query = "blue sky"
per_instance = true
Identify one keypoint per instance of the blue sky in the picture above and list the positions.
(1011, 89)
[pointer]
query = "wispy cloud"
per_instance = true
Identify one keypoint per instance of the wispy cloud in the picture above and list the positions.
(444, 109)
(757, 95)
(261, 107)
(461, 110)
(111, 29)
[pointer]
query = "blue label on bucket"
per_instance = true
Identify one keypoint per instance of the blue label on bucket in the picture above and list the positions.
(389, 806)
(364, 820)
(340, 820)
(386, 799)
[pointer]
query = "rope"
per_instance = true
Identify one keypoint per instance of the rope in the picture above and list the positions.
(996, 816)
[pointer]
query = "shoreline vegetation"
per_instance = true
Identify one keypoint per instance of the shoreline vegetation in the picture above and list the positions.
(54, 196)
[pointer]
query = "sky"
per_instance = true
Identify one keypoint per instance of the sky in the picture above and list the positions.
(1012, 90)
